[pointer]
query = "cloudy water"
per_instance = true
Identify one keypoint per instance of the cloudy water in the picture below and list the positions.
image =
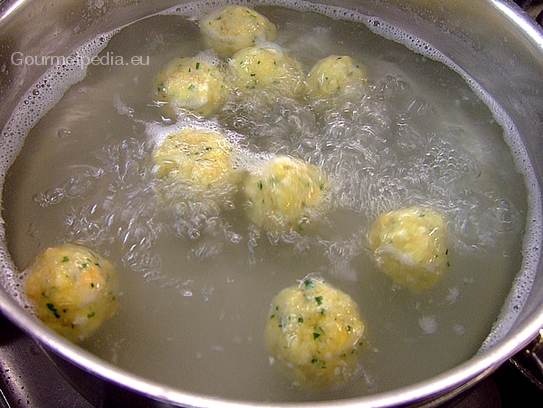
(197, 278)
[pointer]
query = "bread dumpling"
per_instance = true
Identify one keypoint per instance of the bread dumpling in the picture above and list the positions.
(335, 74)
(315, 334)
(266, 68)
(233, 28)
(194, 84)
(198, 159)
(410, 246)
(284, 193)
(73, 290)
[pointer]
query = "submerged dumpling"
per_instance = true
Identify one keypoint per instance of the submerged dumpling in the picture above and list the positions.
(194, 84)
(315, 333)
(284, 193)
(261, 68)
(335, 74)
(73, 290)
(233, 28)
(410, 246)
(198, 158)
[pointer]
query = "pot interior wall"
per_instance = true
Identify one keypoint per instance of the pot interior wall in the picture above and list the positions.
(482, 37)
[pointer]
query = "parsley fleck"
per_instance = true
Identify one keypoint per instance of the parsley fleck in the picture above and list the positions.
(318, 299)
(308, 283)
(316, 336)
(52, 308)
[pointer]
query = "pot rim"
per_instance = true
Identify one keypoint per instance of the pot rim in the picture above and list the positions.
(424, 393)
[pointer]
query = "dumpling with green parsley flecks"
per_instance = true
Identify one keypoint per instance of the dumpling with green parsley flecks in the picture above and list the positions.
(315, 334)
(284, 193)
(195, 84)
(233, 28)
(73, 290)
(410, 246)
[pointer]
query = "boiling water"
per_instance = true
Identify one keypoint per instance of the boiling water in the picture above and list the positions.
(197, 279)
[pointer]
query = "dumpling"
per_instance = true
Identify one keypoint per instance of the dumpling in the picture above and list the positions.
(335, 74)
(266, 68)
(198, 159)
(73, 290)
(284, 193)
(410, 246)
(233, 28)
(194, 84)
(315, 334)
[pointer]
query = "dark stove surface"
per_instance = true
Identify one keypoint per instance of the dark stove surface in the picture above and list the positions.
(28, 378)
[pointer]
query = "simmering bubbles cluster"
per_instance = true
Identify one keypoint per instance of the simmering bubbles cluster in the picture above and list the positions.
(314, 331)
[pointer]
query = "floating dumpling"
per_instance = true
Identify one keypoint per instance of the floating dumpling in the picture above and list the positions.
(193, 84)
(410, 246)
(198, 159)
(233, 28)
(335, 74)
(73, 290)
(267, 68)
(284, 193)
(315, 334)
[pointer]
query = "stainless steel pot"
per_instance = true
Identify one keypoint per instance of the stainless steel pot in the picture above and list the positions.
(493, 41)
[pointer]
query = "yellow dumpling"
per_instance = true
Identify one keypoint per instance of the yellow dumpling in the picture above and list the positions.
(410, 246)
(201, 159)
(259, 68)
(233, 28)
(315, 334)
(335, 74)
(284, 193)
(73, 290)
(192, 84)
